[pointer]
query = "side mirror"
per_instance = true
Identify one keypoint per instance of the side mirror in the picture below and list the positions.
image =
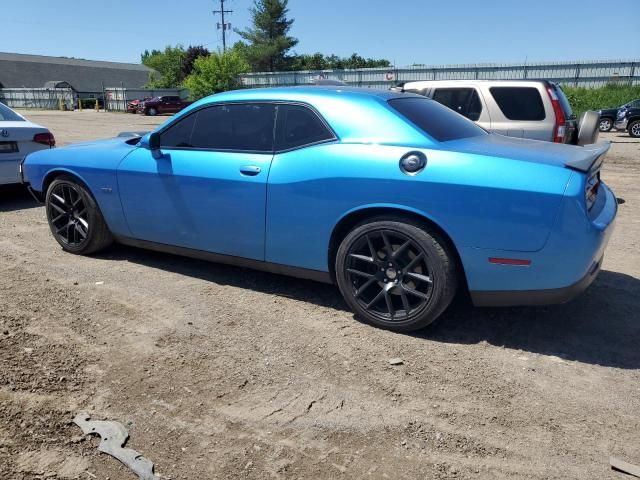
(154, 141)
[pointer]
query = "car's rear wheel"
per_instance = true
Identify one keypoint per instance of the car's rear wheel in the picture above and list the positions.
(634, 129)
(396, 274)
(74, 217)
(606, 124)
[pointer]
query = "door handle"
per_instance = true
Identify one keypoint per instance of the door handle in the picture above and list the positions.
(250, 170)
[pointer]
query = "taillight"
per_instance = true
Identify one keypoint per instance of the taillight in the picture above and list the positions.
(591, 190)
(561, 120)
(45, 139)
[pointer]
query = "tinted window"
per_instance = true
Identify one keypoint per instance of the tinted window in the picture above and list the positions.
(298, 126)
(242, 127)
(436, 120)
(8, 115)
(519, 103)
(635, 104)
(465, 101)
(179, 133)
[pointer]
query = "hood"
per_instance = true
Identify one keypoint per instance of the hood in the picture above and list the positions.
(534, 151)
(100, 143)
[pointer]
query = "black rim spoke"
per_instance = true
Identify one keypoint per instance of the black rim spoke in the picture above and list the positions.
(68, 215)
(398, 268)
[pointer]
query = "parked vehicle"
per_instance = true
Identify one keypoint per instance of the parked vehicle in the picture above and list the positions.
(18, 137)
(398, 200)
(132, 106)
(534, 109)
(164, 104)
(608, 116)
(629, 121)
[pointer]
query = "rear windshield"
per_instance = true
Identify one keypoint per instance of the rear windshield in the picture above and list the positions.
(564, 102)
(8, 115)
(436, 120)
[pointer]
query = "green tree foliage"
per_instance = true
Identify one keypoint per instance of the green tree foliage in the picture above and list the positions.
(216, 73)
(318, 61)
(168, 64)
(190, 56)
(610, 96)
(268, 41)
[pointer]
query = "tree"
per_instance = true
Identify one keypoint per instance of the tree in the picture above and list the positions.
(216, 73)
(168, 64)
(190, 56)
(268, 40)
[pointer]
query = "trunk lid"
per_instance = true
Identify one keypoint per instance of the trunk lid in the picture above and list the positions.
(583, 159)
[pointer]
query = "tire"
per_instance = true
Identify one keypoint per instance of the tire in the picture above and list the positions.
(605, 125)
(403, 291)
(74, 217)
(588, 128)
(634, 129)
(152, 112)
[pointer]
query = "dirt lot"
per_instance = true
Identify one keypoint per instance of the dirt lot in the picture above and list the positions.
(221, 372)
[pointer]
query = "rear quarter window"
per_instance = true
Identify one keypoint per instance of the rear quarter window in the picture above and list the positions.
(519, 103)
(436, 120)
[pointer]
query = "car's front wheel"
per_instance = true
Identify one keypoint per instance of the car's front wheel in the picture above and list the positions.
(396, 274)
(605, 125)
(152, 111)
(634, 129)
(74, 217)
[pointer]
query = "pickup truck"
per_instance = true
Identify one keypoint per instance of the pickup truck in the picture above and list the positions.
(163, 104)
(608, 116)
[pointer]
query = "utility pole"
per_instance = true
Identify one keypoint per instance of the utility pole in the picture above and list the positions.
(223, 26)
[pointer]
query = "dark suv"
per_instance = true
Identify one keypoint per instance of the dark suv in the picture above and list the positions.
(628, 120)
(164, 104)
(608, 116)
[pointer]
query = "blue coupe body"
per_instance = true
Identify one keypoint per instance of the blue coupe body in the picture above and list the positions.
(528, 221)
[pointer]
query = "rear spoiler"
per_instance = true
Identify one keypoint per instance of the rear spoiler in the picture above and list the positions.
(591, 157)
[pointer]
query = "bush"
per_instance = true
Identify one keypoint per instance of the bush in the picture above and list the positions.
(216, 73)
(610, 96)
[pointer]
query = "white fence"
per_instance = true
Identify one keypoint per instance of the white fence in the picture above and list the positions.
(580, 73)
(40, 98)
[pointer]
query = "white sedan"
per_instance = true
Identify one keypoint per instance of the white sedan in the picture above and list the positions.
(18, 138)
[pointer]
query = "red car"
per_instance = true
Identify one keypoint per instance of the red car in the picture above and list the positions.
(132, 106)
(164, 104)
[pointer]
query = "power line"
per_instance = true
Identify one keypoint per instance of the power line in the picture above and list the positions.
(223, 26)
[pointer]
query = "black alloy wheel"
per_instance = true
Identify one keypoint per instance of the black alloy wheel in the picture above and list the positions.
(74, 217)
(396, 275)
(68, 215)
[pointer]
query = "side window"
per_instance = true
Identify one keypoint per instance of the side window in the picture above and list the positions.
(242, 127)
(299, 126)
(464, 101)
(519, 103)
(179, 134)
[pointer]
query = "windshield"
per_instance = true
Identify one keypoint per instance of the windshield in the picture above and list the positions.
(8, 115)
(436, 120)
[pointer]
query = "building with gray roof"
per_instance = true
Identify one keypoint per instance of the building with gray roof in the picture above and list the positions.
(86, 76)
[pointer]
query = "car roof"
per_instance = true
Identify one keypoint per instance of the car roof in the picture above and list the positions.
(300, 93)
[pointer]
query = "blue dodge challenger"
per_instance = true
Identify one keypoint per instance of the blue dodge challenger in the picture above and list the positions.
(397, 199)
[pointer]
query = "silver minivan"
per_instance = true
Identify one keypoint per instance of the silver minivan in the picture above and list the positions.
(535, 109)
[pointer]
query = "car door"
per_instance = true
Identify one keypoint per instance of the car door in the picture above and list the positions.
(518, 111)
(207, 189)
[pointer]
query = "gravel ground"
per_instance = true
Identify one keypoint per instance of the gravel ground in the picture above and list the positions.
(221, 372)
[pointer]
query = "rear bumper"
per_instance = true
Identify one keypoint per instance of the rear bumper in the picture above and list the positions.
(564, 268)
(553, 296)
